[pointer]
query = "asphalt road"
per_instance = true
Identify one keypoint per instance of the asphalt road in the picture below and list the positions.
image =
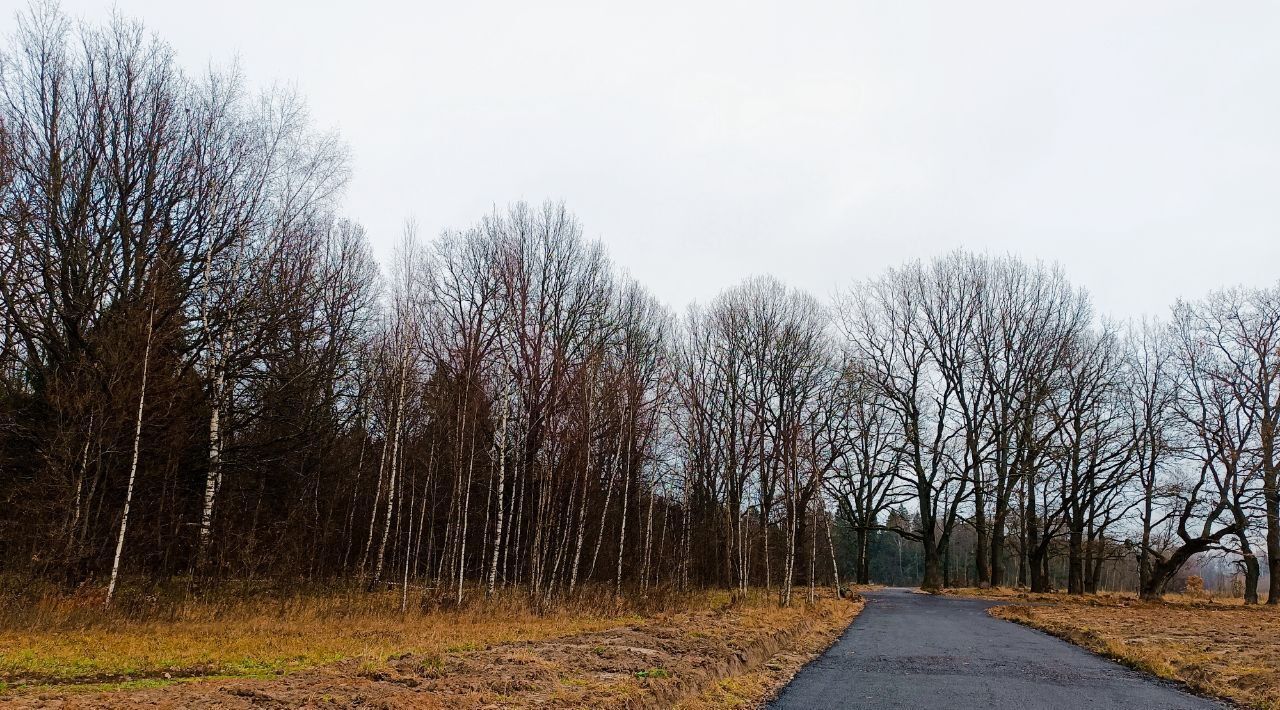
(909, 650)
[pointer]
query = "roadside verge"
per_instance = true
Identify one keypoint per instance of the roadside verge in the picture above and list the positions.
(731, 656)
(1225, 651)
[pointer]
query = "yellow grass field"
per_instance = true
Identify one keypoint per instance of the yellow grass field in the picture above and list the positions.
(707, 648)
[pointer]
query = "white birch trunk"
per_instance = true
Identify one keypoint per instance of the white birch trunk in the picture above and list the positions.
(395, 453)
(377, 500)
(76, 512)
(648, 544)
(355, 493)
(422, 514)
(686, 542)
(133, 466)
(582, 510)
(466, 510)
(502, 471)
(831, 545)
(789, 571)
(608, 495)
(213, 477)
(813, 557)
(408, 548)
(622, 528)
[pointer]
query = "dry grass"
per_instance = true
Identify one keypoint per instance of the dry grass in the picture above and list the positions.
(348, 647)
(730, 658)
(1216, 647)
(56, 639)
(754, 688)
(1011, 593)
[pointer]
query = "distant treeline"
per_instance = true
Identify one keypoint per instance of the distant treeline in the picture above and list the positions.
(204, 373)
(896, 561)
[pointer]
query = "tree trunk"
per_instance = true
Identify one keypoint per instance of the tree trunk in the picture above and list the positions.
(408, 547)
(71, 552)
(932, 580)
(466, 511)
(395, 452)
(608, 494)
(622, 532)
(1251, 568)
(648, 544)
(982, 562)
(1271, 502)
(1144, 554)
(864, 557)
(1252, 571)
(945, 544)
(996, 550)
(497, 535)
(377, 500)
(835, 567)
(1164, 569)
(1075, 560)
(1036, 548)
(133, 465)
(813, 556)
(213, 477)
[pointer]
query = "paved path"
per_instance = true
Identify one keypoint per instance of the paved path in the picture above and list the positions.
(909, 650)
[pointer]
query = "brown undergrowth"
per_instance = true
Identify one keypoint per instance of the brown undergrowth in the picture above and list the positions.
(1217, 647)
(343, 650)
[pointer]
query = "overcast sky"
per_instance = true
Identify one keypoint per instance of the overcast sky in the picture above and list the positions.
(1136, 143)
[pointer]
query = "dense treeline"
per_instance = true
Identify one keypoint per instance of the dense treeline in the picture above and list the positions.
(204, 374)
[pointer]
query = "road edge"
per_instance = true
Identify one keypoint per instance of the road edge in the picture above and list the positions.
(1018, 614)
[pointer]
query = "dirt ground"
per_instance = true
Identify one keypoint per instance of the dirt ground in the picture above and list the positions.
(732, 656)
(1217, 647)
